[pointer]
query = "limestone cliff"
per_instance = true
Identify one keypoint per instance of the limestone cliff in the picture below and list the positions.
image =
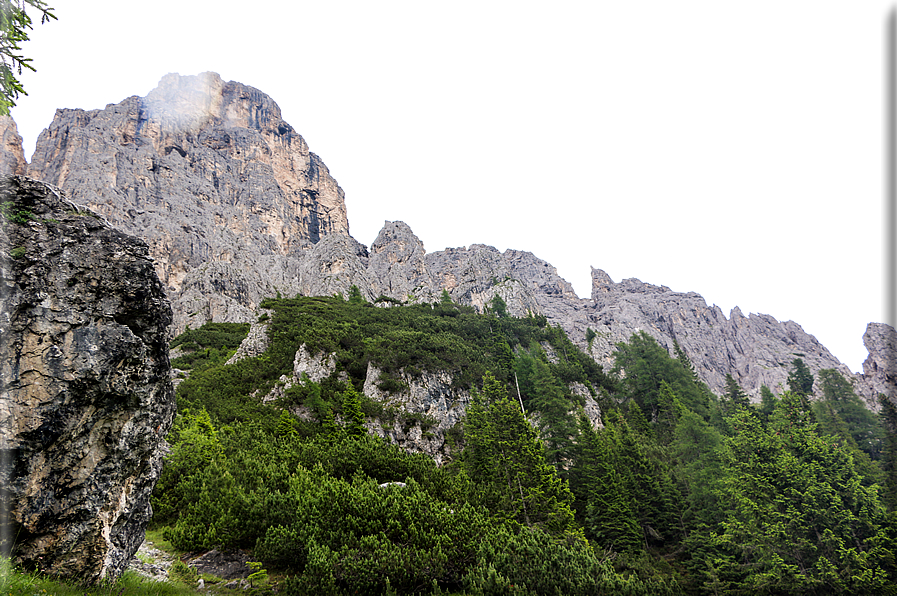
(235, 208)
(880, 368)
(85, 395)
(205, 171)
(12, 157)
(756, 350)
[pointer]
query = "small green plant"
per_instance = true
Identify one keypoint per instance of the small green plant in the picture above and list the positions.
(181, 572)
(12, 214)
(82, 213)
(146, 559)
(259, 576)
(18, 252)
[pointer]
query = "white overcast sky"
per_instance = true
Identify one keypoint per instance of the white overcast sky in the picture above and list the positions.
(731, 149)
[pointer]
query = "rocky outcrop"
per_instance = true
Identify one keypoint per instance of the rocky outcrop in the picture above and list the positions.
(12, 157)
(315, 368)
(86, 397)
(307, 368)
(424, 411)
(880, 367)
(333, 266)
(475, 275)
(397, 265)
(255, 343)
(205, 171)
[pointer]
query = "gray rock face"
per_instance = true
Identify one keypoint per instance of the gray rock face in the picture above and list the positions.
(333, 266)
(254, 344)
(235, 208)
(86, 397)
(314, 367)
(397, 266)
(206, 172)
(756, 350)
(12, 157)
(880, 368)
(429, 394)
(475, 275)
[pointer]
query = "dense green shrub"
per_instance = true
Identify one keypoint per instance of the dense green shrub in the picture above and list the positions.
(357, 534)
(225, 487)
(519, 560)
(213, 335)
(212, 344)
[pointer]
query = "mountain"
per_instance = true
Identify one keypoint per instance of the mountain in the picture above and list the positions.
(235, 208)
(206, 172)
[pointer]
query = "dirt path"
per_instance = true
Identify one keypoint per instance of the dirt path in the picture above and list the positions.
(151, 562)
(224, 568)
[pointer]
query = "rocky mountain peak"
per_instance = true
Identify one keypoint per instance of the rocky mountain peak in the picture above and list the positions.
(398, 262)
(202, 169)
(182, 105)
(602, 284)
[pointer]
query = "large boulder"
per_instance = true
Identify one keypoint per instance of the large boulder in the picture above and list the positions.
(85, 395)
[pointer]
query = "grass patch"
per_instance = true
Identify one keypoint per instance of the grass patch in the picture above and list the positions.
(155, 537)
(15, 581)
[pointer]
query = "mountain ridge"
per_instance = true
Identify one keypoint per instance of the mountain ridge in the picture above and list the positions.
(235, 207)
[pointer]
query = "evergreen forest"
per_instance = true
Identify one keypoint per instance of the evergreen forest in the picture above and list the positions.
(674, 490)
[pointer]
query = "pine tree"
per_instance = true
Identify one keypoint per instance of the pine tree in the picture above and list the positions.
(798, 520)
(735, 393)
(643, 363)
(768, 403)
(498, 307)
(667, 413)
(683, 359)
(609, 517)
(800, 379)
(331, 429)
(493, 390)
(504, 456)
(285, 427)
(355, 296)
(590, 337)
(861, 426)
(698, 469)
(635, 418)
(734, 397)
(553, 403)
(503, 357)
(354, 417)
(653, 494)
(888, 416)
